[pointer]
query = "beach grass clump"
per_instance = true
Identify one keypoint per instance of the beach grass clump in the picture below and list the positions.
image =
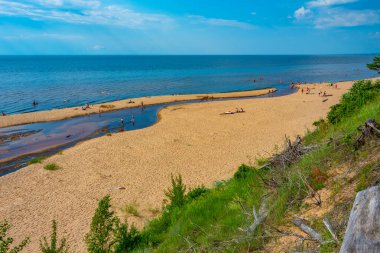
(51, 166)
(107, 106)
(37, 160)
(6, 241)
(53, 246)
(131, 209)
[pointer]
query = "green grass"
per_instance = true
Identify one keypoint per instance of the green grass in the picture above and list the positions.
(131, 209)
(37, 160)
(51, 166)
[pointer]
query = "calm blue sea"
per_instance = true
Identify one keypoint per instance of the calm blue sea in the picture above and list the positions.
(65, 81)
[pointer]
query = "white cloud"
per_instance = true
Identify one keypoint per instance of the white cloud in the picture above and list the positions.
(219, 22)
(68, 3)
(375, 35)
(346, 18)
(321, 3)
(89, 13)
(54, 36)
(322, 14)
(98, 47)
(301, 12)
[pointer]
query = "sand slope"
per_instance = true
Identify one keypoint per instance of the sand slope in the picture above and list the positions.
(194, 140)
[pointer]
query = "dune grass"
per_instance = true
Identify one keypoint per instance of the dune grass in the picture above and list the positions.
(37, 160)
(51, 167)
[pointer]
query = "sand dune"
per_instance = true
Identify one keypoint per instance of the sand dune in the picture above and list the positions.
(194, 140)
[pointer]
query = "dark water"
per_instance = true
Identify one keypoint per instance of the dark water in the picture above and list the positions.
(65, 81)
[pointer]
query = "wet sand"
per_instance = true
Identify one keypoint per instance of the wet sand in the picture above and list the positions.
(59, 114)
(195, 140)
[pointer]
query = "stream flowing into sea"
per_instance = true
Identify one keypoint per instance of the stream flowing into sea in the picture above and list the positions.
(67, 81)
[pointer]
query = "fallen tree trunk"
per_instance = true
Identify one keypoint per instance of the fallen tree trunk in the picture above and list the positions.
(363, 230)
(308, 230)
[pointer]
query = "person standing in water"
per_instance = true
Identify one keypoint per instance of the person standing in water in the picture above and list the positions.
(133, 120)
(122, 123)
(142, 106)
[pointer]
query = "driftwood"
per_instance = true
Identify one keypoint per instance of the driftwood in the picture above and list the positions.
(308, 230)
(369, 129)
(292, 152)
(330, 229)
(363, 229)
(258, 217)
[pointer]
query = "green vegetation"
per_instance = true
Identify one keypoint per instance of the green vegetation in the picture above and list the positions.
(361, 93)
(368, 176)
(107, 234)
(53, 247)
(37, 160)
(132, 210)
(375, 64)
(51, 166)
(6, 242)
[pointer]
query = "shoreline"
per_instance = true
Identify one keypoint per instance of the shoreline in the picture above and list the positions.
(193, 140)
(72, 112)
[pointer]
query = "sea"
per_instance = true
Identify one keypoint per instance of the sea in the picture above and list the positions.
(67, 81)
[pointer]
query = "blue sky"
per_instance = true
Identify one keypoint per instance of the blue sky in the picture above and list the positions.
(189, 26)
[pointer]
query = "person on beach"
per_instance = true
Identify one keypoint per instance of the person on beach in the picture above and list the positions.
(133, 120)
(3, 114)
(302, 90)
(142, 106)
(122, 122)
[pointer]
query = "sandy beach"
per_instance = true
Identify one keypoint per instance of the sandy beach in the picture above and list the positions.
(194, 140)
(59, 114)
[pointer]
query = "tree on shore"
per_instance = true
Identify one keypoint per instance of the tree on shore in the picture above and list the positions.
(375, 64)
(108, 234)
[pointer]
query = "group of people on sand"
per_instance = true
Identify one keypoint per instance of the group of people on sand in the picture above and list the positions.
(308, 90)
(237, 110)
(87, 106)
(132, 121)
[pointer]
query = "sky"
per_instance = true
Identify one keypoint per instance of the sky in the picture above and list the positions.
(138, 27)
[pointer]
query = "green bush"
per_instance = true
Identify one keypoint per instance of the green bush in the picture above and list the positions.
(107, 234)
(51, 166)
(243, 172)
(176, 194)
(360, 93)
(196, 193)
(6, 242)
(37, 160)
(52, 247)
